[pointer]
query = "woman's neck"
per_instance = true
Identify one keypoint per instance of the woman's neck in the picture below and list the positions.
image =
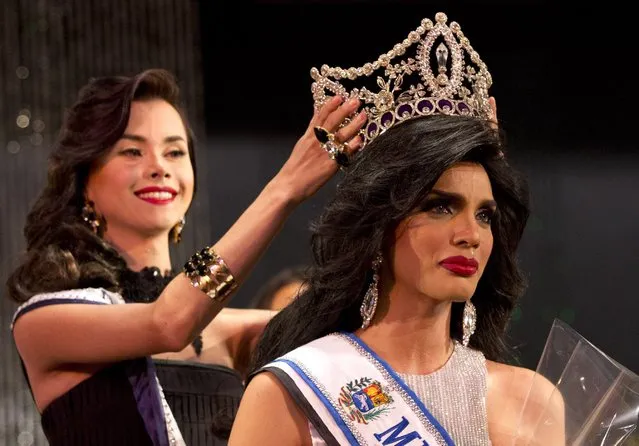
(410, 331)
(142, 251)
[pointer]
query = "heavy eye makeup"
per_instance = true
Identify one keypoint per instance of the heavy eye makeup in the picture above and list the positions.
(439, 204)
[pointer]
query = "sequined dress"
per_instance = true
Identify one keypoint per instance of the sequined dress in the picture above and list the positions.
(456, 396)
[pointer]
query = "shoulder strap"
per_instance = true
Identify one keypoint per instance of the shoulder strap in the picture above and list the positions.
(94, 296)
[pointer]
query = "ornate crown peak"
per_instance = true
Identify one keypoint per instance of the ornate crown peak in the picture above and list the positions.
(458, 84)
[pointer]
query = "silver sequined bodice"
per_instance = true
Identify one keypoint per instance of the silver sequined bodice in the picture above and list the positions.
(456, 396)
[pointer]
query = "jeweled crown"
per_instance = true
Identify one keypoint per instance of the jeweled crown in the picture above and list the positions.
(451, 80)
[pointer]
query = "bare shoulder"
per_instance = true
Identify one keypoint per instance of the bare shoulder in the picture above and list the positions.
(508, 379)
(521, 383)
(268, 415)
(518, 398)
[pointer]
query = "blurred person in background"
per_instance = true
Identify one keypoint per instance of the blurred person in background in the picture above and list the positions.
(280, 290)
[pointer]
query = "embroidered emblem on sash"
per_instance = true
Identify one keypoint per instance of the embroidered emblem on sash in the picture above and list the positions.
(364, 400)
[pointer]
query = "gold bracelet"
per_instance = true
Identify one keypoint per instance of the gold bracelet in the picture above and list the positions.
(209, 273)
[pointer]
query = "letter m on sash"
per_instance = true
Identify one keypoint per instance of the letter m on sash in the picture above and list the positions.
(393, 436)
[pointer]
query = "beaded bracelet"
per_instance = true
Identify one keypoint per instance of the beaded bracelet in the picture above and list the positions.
(208, 272)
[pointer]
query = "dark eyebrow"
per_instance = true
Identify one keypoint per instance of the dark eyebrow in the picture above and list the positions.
(460, 199)
(131, 137)
(138, 138)
(175, 138)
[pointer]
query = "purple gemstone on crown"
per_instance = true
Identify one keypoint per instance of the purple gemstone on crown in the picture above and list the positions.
(425, 106)
(463, 108)
(387, 119)
(445, 105)
(371, 130)
(404, 111)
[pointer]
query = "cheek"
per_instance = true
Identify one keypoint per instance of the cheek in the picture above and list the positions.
(186, 184)
(109, 182)
(414, 253)
(119, 176)
(185, 176)
(486, 248)
(424, 240)
(188, 188)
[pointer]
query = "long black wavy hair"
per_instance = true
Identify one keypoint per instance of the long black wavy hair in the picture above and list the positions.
(62, 251)
(388, 181)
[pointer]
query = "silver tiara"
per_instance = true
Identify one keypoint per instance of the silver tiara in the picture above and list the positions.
(409, 87)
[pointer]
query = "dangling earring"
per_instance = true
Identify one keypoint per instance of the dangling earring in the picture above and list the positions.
(90, 216)
(469, 320)
(176, 231)
(369, 304)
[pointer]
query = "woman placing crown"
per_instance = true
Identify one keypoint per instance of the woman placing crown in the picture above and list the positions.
(121, 178)
(398, 338)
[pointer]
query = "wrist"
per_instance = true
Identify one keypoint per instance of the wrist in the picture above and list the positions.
(282, 193)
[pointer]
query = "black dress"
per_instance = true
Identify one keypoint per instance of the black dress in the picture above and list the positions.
(115, 407)
(203, 398)
(100, 411)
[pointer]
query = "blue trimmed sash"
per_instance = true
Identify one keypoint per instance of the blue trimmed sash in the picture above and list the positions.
(352, 396)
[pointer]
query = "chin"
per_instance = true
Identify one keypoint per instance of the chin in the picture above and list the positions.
(460, 294)
(155, 229)
(162, 221)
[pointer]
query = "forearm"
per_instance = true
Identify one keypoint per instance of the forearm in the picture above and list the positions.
(248, 238)
(183, 311)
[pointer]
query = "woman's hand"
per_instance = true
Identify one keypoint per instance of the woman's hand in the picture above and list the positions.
(309, 166)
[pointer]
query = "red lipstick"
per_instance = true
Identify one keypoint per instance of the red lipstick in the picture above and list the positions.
(460, 265)
(156, 194)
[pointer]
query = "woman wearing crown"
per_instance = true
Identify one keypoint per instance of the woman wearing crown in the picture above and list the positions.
(399, 336)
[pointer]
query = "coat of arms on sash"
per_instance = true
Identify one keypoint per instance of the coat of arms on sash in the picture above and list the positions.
(364, 400)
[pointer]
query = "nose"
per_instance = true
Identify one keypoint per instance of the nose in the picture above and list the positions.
(466, 232)
(156, 169)
(159, 174)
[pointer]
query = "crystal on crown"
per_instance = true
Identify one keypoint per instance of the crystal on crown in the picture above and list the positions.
(459, 86)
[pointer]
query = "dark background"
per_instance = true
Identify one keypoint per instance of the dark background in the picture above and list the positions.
(565, 87)
(565, 94)
(561, 72)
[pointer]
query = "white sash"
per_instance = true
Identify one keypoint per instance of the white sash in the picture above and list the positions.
(354, 397)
